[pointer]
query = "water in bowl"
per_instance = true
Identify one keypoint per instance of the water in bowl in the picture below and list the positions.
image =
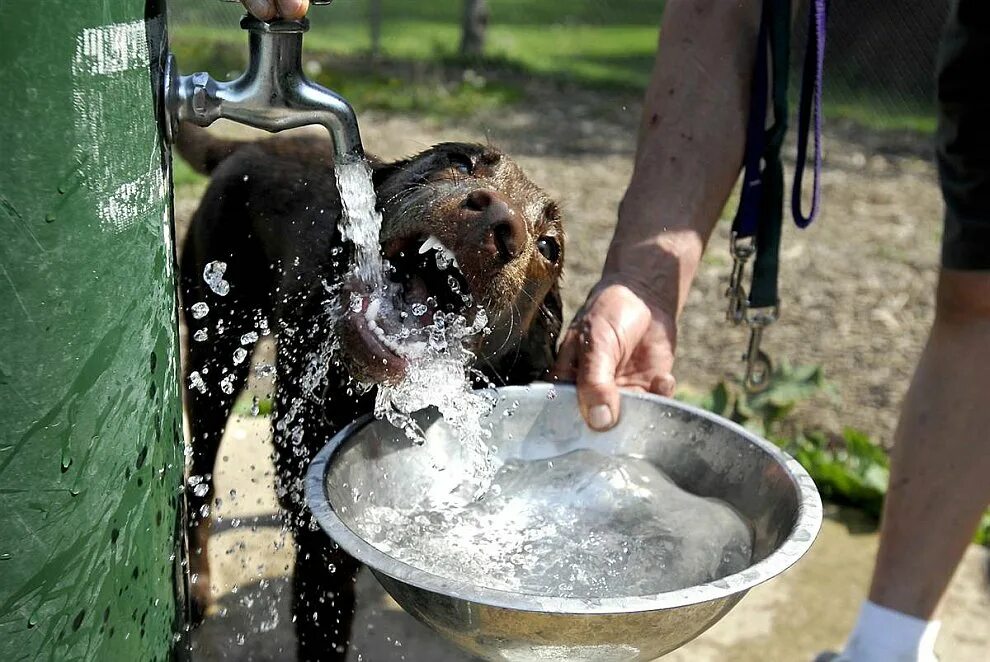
(582, 524)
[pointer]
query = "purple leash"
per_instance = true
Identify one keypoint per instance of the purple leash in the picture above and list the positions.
(810, 109)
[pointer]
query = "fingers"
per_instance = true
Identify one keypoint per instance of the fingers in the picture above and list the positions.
(262, 9)
(292, 8)
(598, 395)
(266, 10)
(565, 369)
(663, 385)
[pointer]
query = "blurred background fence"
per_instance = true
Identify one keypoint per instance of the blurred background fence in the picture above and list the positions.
(881, 53)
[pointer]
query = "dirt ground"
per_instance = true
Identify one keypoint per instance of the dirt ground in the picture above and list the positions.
(856, 288)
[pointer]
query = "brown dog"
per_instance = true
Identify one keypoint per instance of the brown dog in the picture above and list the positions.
(271, 214)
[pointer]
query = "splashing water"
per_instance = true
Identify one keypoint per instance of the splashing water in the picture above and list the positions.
(361, 223)
(436, 377)
(437, 360)
(581, 524)
(213, 275)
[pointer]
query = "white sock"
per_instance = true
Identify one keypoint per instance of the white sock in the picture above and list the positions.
(885, 635)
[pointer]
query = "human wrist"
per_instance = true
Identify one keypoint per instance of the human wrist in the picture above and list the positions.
(657, 266)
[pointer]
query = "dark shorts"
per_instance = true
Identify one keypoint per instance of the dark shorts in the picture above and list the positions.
(963, 138)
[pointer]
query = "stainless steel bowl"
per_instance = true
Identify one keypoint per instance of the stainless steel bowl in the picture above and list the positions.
(703, 453)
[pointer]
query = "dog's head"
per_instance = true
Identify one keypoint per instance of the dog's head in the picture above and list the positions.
(463, 230)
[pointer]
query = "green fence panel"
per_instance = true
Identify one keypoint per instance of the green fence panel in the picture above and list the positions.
(91, 454)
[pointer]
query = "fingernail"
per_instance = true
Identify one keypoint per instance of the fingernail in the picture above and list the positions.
(601, 417)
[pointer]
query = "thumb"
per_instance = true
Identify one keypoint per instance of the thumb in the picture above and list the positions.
(598, 395)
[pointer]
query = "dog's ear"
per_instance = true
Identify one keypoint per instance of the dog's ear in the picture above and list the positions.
(537, 350)
(382, 171)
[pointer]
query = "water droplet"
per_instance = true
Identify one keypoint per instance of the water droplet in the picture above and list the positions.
(239, 355)
(196, 381)
(201, 335)
(249, 337)
(551, 393)
(417, 309)
(227, 384)
(213, 276)
(199, 310)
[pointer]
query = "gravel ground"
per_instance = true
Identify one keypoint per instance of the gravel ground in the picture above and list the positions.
(856, 287)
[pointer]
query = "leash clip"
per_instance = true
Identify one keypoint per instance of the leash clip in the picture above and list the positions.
(742, 249)
(759, 367)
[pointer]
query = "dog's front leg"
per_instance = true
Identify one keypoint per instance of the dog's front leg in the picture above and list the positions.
(311, 406)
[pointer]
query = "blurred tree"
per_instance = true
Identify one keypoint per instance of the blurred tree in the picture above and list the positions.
(474, 23)
(375, 20)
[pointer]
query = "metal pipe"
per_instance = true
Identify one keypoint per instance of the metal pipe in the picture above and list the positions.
(273, 93)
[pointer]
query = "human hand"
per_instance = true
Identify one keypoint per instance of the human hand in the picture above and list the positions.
(617, 340)
(266, 10)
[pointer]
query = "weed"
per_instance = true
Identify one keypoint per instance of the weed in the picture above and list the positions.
(848, 467)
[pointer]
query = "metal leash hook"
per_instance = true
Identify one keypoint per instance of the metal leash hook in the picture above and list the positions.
(759, 367)
(742, 249)
(273, 93)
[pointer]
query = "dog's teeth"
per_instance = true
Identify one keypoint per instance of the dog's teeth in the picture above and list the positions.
(445, 256)
(430, 243)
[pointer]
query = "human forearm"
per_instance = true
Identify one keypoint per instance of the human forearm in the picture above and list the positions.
(690, 147)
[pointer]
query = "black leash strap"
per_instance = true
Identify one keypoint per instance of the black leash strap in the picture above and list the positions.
(757, 226)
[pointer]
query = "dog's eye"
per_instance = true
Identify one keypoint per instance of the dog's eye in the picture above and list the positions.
(461, 163)
(549, 248)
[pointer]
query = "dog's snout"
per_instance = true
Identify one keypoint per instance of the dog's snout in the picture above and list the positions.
(503, 227)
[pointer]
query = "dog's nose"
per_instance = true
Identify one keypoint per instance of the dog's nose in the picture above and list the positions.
(503, 227)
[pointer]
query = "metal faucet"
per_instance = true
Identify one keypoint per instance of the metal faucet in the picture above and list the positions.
(273, 93)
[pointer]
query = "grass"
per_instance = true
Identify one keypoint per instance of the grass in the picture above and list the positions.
(586, 42)
(183, 176)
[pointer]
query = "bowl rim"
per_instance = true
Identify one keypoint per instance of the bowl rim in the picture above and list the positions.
(800, 538)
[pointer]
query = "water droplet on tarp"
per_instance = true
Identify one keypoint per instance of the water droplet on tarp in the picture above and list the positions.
(201, 335)
(213, 276)
(249, 338)
(200, 309)
(239, 355)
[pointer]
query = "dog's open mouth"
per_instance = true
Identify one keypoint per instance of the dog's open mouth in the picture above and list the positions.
(426, 293)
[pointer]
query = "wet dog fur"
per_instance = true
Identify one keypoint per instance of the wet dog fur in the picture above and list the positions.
(271, 213)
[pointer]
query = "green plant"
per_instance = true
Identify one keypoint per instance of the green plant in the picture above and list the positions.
(764, 412)
(848, 467)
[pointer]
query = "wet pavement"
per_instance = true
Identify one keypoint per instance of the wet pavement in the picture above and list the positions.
(808, 609)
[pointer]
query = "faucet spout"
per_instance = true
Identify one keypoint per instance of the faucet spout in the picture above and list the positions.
(273, 93)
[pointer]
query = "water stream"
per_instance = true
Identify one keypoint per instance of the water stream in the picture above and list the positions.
(361, 223)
